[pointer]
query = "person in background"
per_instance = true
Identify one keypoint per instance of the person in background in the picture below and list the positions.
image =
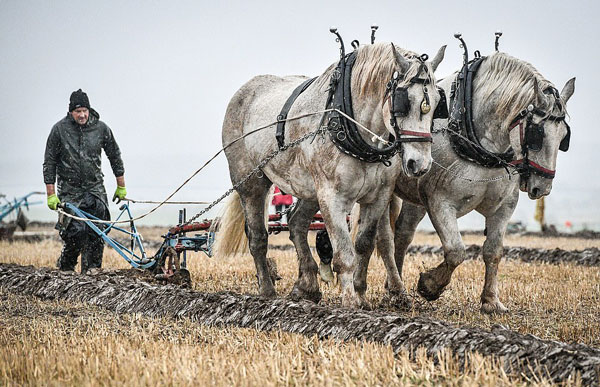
(73, 160)
(281, 201)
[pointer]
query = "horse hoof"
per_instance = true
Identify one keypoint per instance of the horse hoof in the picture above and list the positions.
(428, 288)
(298, 294)
(399, 300)
(351, 300)
(326, 273)
(494, 307)
(268, 293)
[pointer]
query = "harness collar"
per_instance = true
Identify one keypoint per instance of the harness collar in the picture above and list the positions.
(467, 145)
(344, 133)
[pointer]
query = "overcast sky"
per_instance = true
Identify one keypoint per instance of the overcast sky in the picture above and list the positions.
(161, 73)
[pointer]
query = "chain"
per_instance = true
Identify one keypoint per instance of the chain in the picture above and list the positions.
(497, 178)
(506, 165)
(288, 210)
(256, 170)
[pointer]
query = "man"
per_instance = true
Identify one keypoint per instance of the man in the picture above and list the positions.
(73, 157)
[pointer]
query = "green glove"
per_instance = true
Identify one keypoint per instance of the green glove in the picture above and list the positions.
(120, 194)
(53, 202)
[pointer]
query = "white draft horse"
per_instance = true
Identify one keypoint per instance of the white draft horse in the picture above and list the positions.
(514, 107)
(316, 171)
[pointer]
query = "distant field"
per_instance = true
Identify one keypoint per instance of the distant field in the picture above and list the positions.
(57, 342)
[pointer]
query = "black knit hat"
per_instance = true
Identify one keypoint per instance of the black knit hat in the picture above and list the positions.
(78, 99)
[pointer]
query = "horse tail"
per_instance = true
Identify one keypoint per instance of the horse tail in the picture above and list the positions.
(231, 237)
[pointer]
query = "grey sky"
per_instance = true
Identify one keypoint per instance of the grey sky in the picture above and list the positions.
(161, 73)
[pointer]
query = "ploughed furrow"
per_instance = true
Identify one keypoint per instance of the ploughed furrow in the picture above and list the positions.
(586, 257)
(522, 354)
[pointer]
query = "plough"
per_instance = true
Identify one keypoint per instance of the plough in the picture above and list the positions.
(9, 207)
(171, 258)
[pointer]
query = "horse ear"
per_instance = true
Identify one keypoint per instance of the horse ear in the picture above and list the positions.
(568, 90)
(400, 60)
(438, 58)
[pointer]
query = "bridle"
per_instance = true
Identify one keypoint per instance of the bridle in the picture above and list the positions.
(399, 104)
(343, 132)
(464, 138)
(531, 137)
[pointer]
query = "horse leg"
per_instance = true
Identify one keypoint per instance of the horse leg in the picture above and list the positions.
(370, 215)
(385, 241)
(253, 201)
(433, 282)
(492, 253)
(334, 213)
(405, 227)
(306, 287)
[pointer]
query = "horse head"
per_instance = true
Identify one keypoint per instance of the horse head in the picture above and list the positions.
(408, 106)
(539, 133)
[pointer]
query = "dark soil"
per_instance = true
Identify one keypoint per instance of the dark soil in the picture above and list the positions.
(526, 355)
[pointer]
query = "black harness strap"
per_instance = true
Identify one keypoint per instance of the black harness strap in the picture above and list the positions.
(280, 132)
(343, 132)
(461, 120)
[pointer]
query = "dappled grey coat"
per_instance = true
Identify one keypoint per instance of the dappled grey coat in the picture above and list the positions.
(74, 155)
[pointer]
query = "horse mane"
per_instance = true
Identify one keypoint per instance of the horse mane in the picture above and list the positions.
(374, 66)
(511, 81)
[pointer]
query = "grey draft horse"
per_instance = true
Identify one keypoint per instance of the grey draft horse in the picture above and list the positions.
(316, 172)
(502, 88)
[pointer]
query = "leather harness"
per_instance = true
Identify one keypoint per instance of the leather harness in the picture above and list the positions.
(280, 132)
(468, 146)
(342, 131)
(465, 142)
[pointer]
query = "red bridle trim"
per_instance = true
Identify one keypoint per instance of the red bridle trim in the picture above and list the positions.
(411, 133)
(540, 168)
(535, 165)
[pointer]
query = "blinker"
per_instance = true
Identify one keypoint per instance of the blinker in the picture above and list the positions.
(400, 102)
(534, 137)
(564, 144)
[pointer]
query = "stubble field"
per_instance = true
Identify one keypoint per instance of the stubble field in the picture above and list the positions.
(54, 342)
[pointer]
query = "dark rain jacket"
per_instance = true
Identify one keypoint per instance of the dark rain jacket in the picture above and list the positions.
(74, 155)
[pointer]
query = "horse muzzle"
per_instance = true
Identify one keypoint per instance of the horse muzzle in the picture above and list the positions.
(536, 186)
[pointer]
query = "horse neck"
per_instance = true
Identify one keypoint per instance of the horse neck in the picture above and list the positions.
(489, 123)
(368, 111)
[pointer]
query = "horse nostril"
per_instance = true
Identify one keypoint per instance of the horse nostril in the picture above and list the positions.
(411, 165)
(535, 191)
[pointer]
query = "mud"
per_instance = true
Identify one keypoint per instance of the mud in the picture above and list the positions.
(586, 257)
(521, 354)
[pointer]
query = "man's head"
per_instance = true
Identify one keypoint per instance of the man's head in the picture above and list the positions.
(79, 106)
